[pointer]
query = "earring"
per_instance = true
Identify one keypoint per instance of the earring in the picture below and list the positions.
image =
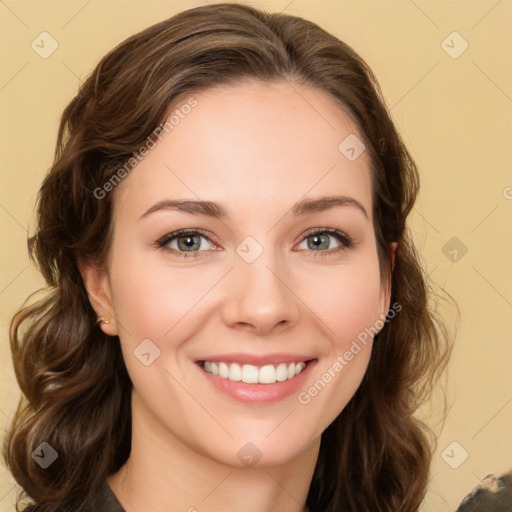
(102, 321)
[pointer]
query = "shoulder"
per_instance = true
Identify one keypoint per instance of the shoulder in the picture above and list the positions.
(493, 494)
(103, 501)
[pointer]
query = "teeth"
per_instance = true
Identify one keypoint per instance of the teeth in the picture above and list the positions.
(223, 370)
(250, 374)
(267, 374)
(235, 372)
(282, 372)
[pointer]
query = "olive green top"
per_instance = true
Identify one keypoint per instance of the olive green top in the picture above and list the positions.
(494, 494)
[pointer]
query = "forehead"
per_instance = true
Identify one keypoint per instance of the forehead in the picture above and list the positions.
(252, 146)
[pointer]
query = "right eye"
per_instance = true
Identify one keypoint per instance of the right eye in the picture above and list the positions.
(185, 243)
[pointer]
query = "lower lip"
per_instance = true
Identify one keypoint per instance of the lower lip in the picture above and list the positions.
(260, 393)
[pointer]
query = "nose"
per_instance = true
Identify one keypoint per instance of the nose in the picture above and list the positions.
(260, 298)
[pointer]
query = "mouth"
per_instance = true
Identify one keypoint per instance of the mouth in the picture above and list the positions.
(253, 374)
(257, 379)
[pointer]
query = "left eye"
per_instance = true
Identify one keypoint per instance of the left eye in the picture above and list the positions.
(320, 240)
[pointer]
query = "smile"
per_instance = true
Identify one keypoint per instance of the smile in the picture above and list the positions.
(251, 374)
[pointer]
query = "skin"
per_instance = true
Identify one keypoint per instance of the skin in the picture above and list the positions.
(256, 148)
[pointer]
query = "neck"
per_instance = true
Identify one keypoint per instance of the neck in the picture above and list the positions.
(164, 473)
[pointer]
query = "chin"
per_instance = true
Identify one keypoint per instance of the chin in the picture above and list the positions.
(262, 450)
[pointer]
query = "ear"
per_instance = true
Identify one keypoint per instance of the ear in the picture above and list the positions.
(98, 289)
(388, 283)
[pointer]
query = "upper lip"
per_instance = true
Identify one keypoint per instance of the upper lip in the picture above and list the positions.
(256, 360)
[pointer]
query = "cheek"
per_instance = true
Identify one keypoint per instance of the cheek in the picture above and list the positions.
(156, 303)
(349, 301)
(150, 301)
(350, 304)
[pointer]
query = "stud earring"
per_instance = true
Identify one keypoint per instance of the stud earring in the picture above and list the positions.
(102, 321)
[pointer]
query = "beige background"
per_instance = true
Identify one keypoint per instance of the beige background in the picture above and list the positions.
(455, 116)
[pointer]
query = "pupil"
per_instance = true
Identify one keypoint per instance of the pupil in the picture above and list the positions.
(188, 241)
(318, 242)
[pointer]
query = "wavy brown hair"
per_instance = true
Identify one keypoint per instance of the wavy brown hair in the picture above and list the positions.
(375, 456)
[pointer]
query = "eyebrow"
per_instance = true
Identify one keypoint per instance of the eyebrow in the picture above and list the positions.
(217, 211)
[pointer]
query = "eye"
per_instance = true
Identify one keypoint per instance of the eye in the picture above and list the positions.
(319, 241)
(186, 242)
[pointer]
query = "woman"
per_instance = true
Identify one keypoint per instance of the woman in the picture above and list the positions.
(236, 315)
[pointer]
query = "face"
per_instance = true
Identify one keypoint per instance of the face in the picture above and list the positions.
(268, 284)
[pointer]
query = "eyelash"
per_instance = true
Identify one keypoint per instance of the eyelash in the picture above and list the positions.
(345, 241)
